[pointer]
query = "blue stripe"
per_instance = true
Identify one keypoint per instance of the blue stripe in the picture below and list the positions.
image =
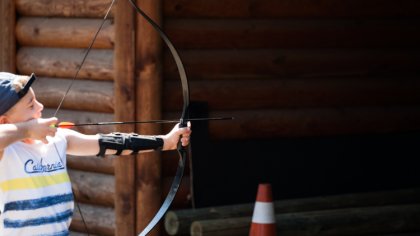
(64, 216)
(38, 203)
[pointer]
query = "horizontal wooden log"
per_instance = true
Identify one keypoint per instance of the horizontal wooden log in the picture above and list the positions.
(296, 93)
(94, 96)
(64, 33)
(106, 165)
(99, 189)
(300, 33)
(350, 221)
(63, 8)
(281, 9)
(279, 123)
(92, 164)
(57, 62)
(84, 117)
(291, 63)
(99, 220)
(179, 222)
(93, 188)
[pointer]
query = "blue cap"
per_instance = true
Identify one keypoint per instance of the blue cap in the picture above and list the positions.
(8, 95)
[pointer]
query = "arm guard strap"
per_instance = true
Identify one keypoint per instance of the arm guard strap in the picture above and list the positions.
(123, 141)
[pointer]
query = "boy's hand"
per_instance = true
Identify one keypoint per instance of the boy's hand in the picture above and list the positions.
(172, 138)
(39, 129)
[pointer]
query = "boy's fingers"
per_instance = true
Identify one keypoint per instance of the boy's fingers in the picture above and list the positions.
(52, 120)
(185, 141)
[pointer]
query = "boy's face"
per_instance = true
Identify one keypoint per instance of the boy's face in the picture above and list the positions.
(26, 109)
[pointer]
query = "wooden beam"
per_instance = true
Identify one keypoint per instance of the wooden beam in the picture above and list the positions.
(7, 36)
(63, 8)
(149, 92)
(125, 107)
(93, 188)
(347, 221)
(85, 95)
(60, 62)
(92, 163)
(64, 32)
(177, 222)
(100, 220)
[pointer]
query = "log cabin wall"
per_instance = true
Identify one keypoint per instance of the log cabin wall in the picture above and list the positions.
(296, 75)
(286, 70)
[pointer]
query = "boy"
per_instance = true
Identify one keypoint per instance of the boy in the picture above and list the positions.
(35, 191)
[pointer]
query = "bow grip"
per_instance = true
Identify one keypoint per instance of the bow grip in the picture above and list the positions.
(182, 124)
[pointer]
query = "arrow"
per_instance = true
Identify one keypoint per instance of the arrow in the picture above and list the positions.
(69, 125)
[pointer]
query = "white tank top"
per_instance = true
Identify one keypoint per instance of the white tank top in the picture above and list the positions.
(35, 191)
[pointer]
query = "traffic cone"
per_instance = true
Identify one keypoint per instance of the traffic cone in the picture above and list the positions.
(263, 219)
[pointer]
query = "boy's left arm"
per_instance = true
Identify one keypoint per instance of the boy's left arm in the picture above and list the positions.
(79, 144)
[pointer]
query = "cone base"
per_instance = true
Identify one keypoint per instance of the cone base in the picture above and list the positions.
(262, 230)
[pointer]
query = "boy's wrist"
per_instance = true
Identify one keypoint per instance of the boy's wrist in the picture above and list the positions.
(164, 141)
(23, 130)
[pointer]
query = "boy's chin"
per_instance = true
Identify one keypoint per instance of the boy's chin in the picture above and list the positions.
(28, 141)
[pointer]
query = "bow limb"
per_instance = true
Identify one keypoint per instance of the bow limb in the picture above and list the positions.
(183, 123)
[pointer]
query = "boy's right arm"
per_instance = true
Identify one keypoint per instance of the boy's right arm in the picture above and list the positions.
(37, 129)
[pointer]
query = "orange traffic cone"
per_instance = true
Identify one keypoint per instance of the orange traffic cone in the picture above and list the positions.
(263, 219)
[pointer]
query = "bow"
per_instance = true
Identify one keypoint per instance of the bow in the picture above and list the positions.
(182, 122)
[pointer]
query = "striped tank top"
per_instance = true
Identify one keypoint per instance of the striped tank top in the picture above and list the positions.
(36, 198)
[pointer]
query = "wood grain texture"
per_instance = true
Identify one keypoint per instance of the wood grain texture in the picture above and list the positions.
(63, 8)
(85, 95)
(7, 36)
(63, 63)
(64, 32)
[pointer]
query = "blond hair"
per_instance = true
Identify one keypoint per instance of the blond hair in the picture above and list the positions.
(19, 82)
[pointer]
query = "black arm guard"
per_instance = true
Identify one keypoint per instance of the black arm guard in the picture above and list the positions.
(122, 141)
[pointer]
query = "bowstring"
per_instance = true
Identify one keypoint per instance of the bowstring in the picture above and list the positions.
(84, 57)
(68, 90)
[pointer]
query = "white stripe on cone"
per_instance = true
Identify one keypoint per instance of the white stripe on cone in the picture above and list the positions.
(263, 213)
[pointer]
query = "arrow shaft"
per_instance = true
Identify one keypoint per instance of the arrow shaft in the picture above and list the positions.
(148, 121)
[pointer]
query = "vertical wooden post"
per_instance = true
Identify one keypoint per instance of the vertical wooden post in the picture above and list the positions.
(7, 36)
(124, 88)
(149, 75)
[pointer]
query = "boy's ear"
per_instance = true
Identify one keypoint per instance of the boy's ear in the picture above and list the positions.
(3, 119)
